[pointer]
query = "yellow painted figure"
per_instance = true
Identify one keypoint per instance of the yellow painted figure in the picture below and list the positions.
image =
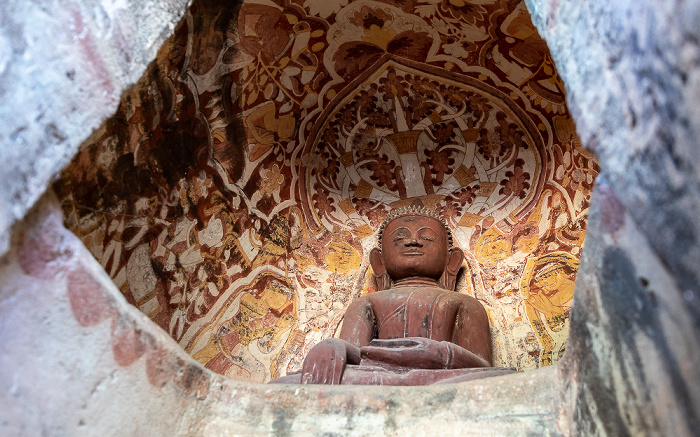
(548, 288)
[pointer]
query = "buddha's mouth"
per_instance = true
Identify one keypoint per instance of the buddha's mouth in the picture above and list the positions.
(412, 253)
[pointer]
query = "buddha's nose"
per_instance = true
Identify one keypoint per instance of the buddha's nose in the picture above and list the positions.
(413, 242)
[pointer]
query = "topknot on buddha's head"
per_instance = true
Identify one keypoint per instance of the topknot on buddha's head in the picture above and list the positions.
(414, 210)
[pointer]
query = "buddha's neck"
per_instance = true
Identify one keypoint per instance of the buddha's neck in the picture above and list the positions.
(416, 281)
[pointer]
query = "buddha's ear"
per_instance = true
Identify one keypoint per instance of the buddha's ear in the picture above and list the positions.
(378, 270)
(454, 263)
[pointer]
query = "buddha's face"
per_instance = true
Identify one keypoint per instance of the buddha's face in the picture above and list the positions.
(414, 246)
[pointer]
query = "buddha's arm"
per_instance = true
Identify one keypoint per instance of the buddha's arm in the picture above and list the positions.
(326, 361)
(358, 323)
(472, 333)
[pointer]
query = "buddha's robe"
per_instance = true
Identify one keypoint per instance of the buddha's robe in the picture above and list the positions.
(416, 336)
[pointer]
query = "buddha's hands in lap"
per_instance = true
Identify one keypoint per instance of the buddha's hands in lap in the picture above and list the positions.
(326, 362)
(421, 353)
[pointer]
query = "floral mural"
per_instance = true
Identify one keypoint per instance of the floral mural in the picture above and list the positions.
(234, 196)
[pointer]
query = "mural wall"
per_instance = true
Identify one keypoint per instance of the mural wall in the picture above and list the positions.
(234, 196)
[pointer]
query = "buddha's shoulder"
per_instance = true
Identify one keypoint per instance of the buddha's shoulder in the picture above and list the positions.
(454, 296)
(417, 292)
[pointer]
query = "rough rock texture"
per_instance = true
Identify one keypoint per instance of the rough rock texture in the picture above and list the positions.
(106, 369)
(632, 72)
(63, 67)
(633, 362)
(75, 359)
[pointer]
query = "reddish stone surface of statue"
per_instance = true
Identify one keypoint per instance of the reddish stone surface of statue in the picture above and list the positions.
(416, 330)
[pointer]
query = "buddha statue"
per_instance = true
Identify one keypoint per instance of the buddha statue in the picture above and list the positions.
(415, 329)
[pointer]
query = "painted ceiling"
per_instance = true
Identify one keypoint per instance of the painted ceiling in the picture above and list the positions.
(235, 195)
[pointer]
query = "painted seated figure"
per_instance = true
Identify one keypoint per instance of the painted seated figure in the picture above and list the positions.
(415, 330)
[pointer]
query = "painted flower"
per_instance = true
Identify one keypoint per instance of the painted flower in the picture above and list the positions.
(477, 104)
(323, 203)
(467, 195)
(330, 167)
(382, 171)
(366, 149)
(421, 85)
(486, 142)
(394, 86)
(379, 37)
(439, 160)
(463, 10)
(347, 118)
(330, 134)
(272, 180)
(455, 96)
(378, 118)
(368, 16)
(442, 132)
(516, 183)
(324, 8)
(509, 134)
(373, 210)
(419, 107)
(450, 211)
(366, 98)
(311, 160)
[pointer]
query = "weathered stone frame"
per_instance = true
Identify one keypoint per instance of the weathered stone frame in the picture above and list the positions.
(75, 358)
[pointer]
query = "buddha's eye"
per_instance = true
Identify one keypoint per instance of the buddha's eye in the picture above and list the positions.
(401, 235)
(427, 235)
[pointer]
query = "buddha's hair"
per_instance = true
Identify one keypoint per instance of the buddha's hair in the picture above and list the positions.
(414, 210)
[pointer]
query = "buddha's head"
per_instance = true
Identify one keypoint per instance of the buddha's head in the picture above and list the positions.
(414, 242)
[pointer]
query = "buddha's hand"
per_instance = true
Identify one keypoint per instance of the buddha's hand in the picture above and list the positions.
(421, 353)
(326, 362)
(412, 352)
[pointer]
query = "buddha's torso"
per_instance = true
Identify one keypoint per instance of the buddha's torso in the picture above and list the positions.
(428, 312)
